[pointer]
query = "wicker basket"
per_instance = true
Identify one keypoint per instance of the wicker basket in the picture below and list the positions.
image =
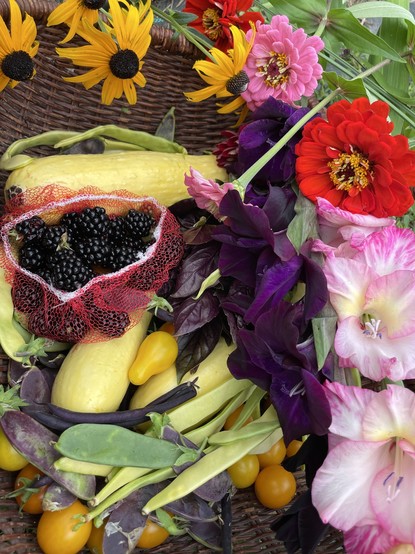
(46, 103)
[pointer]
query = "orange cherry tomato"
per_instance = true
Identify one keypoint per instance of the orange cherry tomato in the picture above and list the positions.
(293, 448)
(234, 416)
(275, 487)
(167, 327)
(60, 533)
(157, 352)
(153, 535)
(274, 455)
(31, 503)
(245, 471)
(96, 538)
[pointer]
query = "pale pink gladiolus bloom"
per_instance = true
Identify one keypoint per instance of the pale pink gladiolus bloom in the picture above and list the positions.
(282, 63)
(207, 193)
(341, 231)
(365, 485)
(373, 294)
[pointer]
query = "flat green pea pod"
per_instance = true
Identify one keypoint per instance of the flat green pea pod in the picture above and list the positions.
(116, 446)
(10, 339)
(209, 466)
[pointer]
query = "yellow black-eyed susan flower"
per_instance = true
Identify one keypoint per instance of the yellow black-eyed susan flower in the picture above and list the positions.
(225, 75)
(114, 55)
(71, 13)
(17, 48)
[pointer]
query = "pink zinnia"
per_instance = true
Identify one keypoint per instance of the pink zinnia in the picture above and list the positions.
(283, 63)
(207, 193)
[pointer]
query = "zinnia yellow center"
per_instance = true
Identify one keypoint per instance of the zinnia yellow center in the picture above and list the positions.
(350, 171)
(210, 22)
(274, 69)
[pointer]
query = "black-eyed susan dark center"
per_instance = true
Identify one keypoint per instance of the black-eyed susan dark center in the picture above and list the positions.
(18, 66)
(92, 4)
(238, 83)
(124, 64)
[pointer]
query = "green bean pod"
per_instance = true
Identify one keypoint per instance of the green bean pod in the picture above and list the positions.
(209, 466)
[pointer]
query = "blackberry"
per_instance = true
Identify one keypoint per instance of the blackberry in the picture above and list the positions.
(61, 325)
(138, 224)
(31, 257)
(134, 244)
(46, 274)
(93, 222)
(31, 229)
(52, 237)
(93, 251)
(121, 256)
(70, 222)
(117, 230)
(69, 271)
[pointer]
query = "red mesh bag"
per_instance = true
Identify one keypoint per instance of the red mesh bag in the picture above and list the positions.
(110, 303)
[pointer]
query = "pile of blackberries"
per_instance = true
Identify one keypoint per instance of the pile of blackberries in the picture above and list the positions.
(82, 245)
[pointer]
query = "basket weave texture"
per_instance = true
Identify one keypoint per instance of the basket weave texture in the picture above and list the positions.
(46, 103)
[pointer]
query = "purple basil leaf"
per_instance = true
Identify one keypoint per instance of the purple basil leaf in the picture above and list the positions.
(193, 314)
(279, 207)
(200, 234)
(238, 263)
(195, 267)
(196, 346)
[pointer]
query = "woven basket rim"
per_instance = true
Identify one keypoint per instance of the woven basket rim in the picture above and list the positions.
(162, 37)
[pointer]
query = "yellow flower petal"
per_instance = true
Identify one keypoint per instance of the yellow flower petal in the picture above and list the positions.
(129, 91)
(203, 94)
(15, 25)
(3, 81)
(63, 13)
(111, 89)
(29, 32)
(90, 78)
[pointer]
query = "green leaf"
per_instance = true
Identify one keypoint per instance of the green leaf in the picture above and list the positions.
(343, 26)
(304, 223)
(380, 9)
(324, 329)
(307, 15)
(352, 88)
(167, 126)
(10, 399)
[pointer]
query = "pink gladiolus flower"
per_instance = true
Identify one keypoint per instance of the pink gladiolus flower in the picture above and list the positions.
(373, 293)
(342, 231)
(365, 485)
(283, 63)
(206, 192)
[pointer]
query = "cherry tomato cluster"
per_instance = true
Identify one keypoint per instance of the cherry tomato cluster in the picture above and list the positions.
(274, 486)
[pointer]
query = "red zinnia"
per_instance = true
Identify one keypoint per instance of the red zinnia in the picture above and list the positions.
(215, 17)
(354, 162)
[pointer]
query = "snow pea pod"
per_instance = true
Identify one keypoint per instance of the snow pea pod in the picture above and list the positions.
(209, 466)
(116, 446)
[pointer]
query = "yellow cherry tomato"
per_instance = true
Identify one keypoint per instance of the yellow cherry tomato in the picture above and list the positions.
(153, 535)
(10, 459)
(234, 416)
(60, 533)
(244, 472)
(274, 455)
(31, 503)
(293, 448)
(157, 352)
(96, 538)
(275, 487)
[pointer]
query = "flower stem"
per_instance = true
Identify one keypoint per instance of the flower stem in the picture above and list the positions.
(199, 43)
(250, 173)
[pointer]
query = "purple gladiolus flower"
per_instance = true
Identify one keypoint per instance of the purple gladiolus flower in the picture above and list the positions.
(268, 124)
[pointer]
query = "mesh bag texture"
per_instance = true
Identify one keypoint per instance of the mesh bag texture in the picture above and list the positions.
(110, 303)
